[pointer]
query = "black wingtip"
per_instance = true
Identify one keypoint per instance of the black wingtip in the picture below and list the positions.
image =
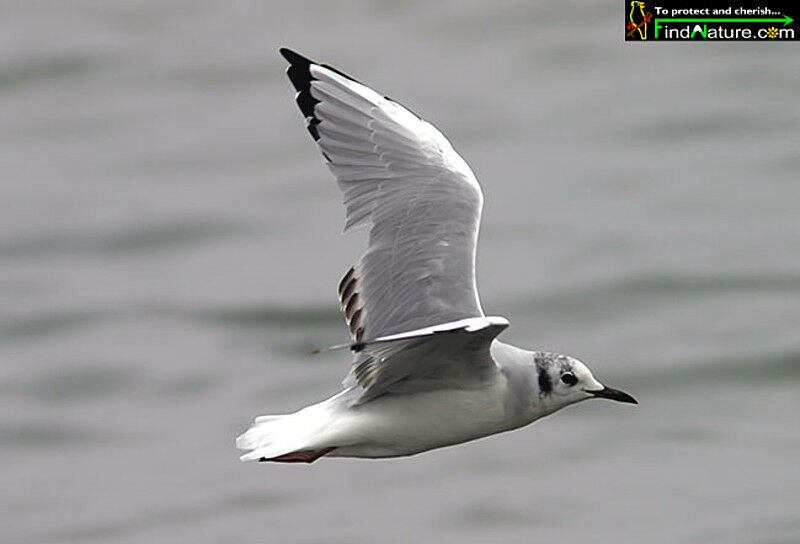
(299, 73)
(294, 57)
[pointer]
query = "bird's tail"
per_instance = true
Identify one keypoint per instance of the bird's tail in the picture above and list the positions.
(284, 438)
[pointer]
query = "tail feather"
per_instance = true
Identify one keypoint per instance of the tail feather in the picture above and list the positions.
(264, 419)
(270, 436)
(274, 436)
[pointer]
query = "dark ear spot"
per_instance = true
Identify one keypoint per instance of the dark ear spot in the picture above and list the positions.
(545, 384)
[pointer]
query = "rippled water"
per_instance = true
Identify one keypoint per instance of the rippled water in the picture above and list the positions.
(170, 250)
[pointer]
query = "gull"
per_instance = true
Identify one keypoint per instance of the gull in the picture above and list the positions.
(428, 370)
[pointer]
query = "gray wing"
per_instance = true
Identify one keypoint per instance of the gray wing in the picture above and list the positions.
(411, 301)
(401, 177)
(440, 357)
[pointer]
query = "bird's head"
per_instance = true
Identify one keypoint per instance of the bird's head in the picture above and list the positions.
(563, 380)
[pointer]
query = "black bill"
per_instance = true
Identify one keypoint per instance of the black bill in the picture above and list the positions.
(613, 394)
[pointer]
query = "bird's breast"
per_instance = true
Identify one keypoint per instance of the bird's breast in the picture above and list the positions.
(408, 424)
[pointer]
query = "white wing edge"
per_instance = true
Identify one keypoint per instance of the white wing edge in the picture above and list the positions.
(470, 324)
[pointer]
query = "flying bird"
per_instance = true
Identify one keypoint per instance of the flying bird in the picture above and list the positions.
(428, 370)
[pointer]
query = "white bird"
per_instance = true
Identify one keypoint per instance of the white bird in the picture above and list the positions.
(428, 370)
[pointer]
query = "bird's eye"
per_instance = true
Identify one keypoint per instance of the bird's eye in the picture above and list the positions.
(569, 379)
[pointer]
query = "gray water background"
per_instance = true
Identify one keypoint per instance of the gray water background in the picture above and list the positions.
(170, 248)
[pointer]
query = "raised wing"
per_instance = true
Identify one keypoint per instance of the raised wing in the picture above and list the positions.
(402, 178)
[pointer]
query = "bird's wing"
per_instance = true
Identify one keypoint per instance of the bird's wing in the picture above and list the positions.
(445, 356)
(401, 177)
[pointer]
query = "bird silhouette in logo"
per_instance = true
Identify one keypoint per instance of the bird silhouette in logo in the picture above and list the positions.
(637, 20)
